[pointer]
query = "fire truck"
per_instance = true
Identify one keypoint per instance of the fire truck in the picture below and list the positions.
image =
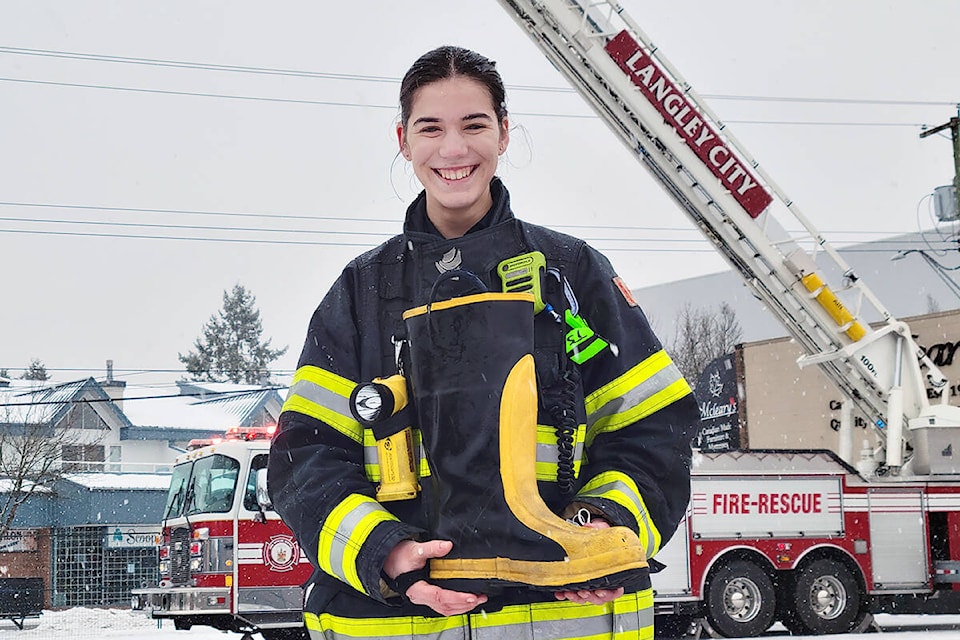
(226, 559)
(804, 538)
(801, 537)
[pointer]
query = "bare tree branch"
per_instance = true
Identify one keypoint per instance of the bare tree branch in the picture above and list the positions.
(703, 334)
(32, 455)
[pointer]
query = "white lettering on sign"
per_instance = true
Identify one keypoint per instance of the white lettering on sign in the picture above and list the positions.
(699, 136)
(710, 410)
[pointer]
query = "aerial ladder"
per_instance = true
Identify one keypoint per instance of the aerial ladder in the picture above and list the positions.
(761, 232)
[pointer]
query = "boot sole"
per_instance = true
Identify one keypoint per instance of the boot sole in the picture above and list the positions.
(561, 575)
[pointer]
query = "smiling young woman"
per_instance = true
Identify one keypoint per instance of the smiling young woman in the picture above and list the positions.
(597, 427)
(454, 138)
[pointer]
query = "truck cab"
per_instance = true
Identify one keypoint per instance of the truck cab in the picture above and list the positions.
(226, 560)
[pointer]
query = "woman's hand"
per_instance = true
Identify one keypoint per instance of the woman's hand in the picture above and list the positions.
(408, 556)
(595, 596)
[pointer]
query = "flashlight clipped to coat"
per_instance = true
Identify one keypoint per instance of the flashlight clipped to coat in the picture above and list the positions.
(381, 405)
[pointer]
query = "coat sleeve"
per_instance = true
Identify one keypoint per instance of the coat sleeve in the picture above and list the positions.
(316, 466)
(641, 413)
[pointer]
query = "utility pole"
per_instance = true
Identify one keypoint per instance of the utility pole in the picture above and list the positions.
(954, 126)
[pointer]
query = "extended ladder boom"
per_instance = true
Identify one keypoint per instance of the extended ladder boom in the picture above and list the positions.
(749, 220)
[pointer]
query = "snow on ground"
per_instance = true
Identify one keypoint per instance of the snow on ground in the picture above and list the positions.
(118, 624)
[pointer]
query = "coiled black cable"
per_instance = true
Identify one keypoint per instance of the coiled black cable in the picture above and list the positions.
(564, 413)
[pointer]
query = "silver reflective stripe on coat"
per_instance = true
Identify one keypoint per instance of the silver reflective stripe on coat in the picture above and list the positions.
(638, 394)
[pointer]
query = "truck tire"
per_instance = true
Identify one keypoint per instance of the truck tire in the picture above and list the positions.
(826, 599)
(182, 624)
(741, 601)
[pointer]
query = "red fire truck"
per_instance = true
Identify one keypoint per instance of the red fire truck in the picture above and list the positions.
(802, 537)
(226, 559)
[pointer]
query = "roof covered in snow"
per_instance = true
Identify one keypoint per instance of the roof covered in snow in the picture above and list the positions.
(192, 406)
(182, 406)
(41, 402)
(120, 481)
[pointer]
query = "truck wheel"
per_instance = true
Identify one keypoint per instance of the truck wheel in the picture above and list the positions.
(182, 624)
(741, 601)
(827, 598)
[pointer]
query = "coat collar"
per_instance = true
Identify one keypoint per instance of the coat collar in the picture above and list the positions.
(418, 228)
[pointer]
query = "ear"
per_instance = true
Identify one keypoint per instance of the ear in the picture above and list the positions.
(504, 136)
(404, 148)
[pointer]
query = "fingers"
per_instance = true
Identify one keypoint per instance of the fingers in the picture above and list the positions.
(410, 555)
(434, 548)
(585, 596)
(443, 601)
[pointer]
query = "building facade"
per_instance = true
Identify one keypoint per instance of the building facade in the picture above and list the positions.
(779, 405)
(90, 527)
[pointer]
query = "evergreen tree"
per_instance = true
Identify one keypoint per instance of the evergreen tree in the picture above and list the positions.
(231, 347)
(35, 371)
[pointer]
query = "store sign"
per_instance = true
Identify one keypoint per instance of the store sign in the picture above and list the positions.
(716, 393)
(18, 540)
(128, 537)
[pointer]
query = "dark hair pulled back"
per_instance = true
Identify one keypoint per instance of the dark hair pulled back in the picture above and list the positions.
(447, 62)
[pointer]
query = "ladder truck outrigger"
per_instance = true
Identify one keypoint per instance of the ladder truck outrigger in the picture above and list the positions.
(797, 536)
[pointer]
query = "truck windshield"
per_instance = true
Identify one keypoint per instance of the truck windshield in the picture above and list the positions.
(207, 485)
(178, 490)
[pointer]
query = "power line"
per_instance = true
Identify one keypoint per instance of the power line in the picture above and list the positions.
(198, 94)
(81, 234)
(195, 212)
(392, 221)
(601, 227)
(157, 62)
(860, 101)
(334, 103)
(223, 395)
(154, 62)
(191, 227)
(706, 248)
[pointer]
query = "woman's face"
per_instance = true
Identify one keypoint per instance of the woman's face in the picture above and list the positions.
(454, 140)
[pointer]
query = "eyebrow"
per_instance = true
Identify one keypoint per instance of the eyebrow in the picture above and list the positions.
(472, 116)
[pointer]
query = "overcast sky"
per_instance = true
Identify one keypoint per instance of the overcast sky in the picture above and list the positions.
(121, 128)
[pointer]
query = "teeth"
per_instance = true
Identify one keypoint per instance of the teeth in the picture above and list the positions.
(455, 174)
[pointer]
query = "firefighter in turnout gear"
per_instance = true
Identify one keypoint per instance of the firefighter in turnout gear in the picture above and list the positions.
(580, 424)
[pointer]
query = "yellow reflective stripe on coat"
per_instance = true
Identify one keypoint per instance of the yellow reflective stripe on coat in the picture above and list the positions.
(629, 617)
(371, 457)
(646, 388)
(344, 532)
(325, 396)
(620, 488)
(326, 627)
(548, 454)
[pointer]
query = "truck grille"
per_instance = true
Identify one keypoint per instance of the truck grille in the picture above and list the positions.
(180, 556)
